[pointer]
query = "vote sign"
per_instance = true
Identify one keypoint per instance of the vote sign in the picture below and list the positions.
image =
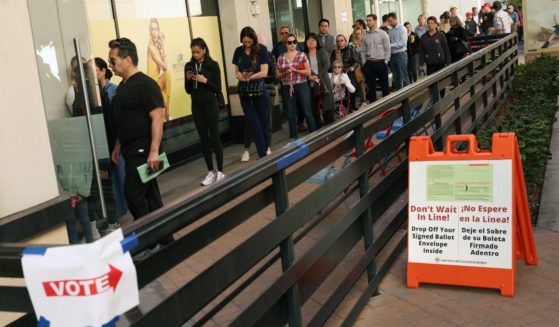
(81, 285)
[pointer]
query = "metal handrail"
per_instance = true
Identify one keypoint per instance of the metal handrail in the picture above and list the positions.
(362, 124)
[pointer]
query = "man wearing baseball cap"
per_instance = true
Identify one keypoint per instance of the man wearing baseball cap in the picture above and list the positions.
(502, 23)
(486, 21)
(470, 25)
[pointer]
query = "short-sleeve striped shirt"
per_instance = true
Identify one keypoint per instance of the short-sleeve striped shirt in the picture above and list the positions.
(298, 63)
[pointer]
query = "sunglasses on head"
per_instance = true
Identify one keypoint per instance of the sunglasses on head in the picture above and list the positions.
(292, 42)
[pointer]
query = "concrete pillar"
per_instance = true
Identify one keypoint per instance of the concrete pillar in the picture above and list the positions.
(340, 16)
(27, 175)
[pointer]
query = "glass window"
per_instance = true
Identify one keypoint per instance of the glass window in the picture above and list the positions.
(56, 24)
(290, 13)
(388, 6)
(360, 9)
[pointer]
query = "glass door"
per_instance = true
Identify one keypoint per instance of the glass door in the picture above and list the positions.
(74, 111)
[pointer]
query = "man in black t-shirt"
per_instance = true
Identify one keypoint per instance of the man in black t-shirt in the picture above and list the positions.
(138, 114)
(486, 24)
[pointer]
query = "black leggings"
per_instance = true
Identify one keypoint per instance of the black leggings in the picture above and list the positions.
(206, 119)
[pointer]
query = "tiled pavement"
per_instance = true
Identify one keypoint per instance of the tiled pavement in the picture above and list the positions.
(535, 302)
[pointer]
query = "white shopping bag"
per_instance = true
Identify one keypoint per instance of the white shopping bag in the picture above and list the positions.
(82, 285)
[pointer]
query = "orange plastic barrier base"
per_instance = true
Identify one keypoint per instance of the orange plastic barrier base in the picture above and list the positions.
(504, 147)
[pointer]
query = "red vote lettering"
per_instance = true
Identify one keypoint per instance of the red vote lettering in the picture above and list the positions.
(84, 287)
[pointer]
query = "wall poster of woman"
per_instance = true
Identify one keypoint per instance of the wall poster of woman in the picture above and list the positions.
(157, 63)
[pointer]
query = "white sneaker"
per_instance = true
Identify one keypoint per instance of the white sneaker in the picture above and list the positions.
(269, 152)
(219, 176)
(112, 228)
(245, 157)
(210, 178)
(95, 231)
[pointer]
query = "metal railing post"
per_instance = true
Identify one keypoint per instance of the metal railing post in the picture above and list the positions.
(367, 215)
(458, 122)
(473, 113)
(436, 97)
(287, 250)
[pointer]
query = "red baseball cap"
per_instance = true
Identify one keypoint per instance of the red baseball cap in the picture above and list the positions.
(468, 14)
(487, 4)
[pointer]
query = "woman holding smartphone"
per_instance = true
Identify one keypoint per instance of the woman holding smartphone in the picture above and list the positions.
(203, 81)
(293, 68)
(251, 65)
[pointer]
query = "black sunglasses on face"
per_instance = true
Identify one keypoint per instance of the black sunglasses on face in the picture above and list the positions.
(292, 42)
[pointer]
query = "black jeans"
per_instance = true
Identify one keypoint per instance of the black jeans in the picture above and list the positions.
(372, 72)
(206, 119)
(256, 111)
(433, 69)
(141, 198)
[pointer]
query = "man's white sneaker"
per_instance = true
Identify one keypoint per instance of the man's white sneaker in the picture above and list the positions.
(210, 178)
(219, 176)
(95, 231)
(245, 157)
(112, 228)
(269, 152)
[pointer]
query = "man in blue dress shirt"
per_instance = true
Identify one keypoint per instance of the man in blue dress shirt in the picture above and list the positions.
(398, 54)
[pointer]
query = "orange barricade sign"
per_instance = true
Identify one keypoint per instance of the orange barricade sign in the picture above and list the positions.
(468, 216)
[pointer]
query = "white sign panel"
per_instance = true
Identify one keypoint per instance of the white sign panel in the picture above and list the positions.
(81, 285)
(460, 213)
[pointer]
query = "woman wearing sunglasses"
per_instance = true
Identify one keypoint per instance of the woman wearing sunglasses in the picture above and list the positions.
(293, 68)
(349, 58)
(341, 85)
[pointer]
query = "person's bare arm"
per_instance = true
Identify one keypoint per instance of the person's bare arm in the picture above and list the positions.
(115, 156)
(157, 116)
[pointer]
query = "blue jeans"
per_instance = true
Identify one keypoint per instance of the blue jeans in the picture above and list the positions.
(399, 66)
(256, 112)
(118, 191)
(299, 100)
(81, 214)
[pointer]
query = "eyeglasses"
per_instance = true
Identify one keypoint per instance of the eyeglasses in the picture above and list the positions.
(337, 66)
(292, 42)
(112, 61)
(341, 40)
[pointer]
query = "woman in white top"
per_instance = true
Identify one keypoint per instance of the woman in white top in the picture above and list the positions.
(340, 82)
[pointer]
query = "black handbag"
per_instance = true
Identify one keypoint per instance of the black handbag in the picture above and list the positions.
(220, 100)
(251, 89)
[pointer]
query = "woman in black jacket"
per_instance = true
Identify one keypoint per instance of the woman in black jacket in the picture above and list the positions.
(433, 49)
(456, 38)
(203, 82)
(349, 58)
(321, 86)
